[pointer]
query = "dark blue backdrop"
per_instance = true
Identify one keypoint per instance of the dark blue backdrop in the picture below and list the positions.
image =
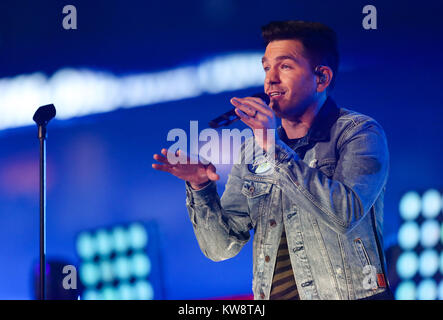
(99, 167)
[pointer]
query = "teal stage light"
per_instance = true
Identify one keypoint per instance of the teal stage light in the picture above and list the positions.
(408, 235)
(120, 238)
(427, 290)
(406, 290)
(431, 204)
(430, 233)
(89, 274)
(138, 238)
(407, 265)
(428, 263)
(410, 205)
(86, 246)
(115, 264)
(420, 237)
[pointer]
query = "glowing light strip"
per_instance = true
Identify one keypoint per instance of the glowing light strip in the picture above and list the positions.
(79, 92)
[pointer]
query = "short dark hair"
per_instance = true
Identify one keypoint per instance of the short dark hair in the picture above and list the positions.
(319, 41)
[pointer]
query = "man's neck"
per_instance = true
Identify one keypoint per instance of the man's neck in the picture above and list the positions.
(299, 127)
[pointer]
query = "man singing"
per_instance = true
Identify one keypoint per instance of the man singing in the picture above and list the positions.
(316, 207)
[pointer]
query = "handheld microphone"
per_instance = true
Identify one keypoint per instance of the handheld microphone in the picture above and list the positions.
(229, 117)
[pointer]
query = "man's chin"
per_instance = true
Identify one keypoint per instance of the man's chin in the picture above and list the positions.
(282, 112)
(292, 111)
(275, 106)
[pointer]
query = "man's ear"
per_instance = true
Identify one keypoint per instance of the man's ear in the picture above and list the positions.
(324, 76)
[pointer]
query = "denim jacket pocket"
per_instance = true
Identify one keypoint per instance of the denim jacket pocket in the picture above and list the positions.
(254, 189)
(256, 194)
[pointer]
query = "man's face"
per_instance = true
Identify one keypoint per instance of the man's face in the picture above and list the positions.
(290, 81)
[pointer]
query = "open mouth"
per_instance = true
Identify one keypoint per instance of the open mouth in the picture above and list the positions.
(276, 94)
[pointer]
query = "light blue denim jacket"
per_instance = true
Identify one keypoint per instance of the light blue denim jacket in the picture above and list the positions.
(327, 193)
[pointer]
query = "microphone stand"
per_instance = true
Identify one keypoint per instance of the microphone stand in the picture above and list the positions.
(42, 138)
(42, 117)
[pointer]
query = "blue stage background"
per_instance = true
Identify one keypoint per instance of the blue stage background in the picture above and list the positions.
(99, 166)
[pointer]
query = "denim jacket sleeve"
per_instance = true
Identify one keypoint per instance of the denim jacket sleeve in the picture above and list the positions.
(221, 225)
(360, 175)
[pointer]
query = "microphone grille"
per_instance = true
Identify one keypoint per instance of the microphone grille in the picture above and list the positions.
(262, 96)
(44, 114)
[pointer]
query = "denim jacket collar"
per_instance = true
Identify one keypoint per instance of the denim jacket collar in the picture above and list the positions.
(321, 127)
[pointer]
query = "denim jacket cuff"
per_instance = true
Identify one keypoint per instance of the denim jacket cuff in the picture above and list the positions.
(203, 195)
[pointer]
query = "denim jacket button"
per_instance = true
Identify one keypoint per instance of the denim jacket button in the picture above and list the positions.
(313, 163)
(251, 189)
(272, 223)
(267, 259)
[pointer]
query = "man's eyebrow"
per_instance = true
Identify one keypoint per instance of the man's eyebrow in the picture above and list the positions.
(279, 58)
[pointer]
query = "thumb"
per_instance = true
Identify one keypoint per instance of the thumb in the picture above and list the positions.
(210, 172)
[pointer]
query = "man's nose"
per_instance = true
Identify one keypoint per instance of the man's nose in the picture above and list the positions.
(272, 77)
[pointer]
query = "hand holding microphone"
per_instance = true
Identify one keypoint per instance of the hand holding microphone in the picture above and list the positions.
(257, 114)
(229, 117)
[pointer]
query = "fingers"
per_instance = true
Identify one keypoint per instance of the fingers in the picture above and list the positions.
(251, 116)
(244, 117)
(165, 156)
(260, 105)
(249, 111)
(181, 170)
(210, 172)
(165, 165)
(250, 104)
(254, 112)
(161, 167)
(162, 158)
